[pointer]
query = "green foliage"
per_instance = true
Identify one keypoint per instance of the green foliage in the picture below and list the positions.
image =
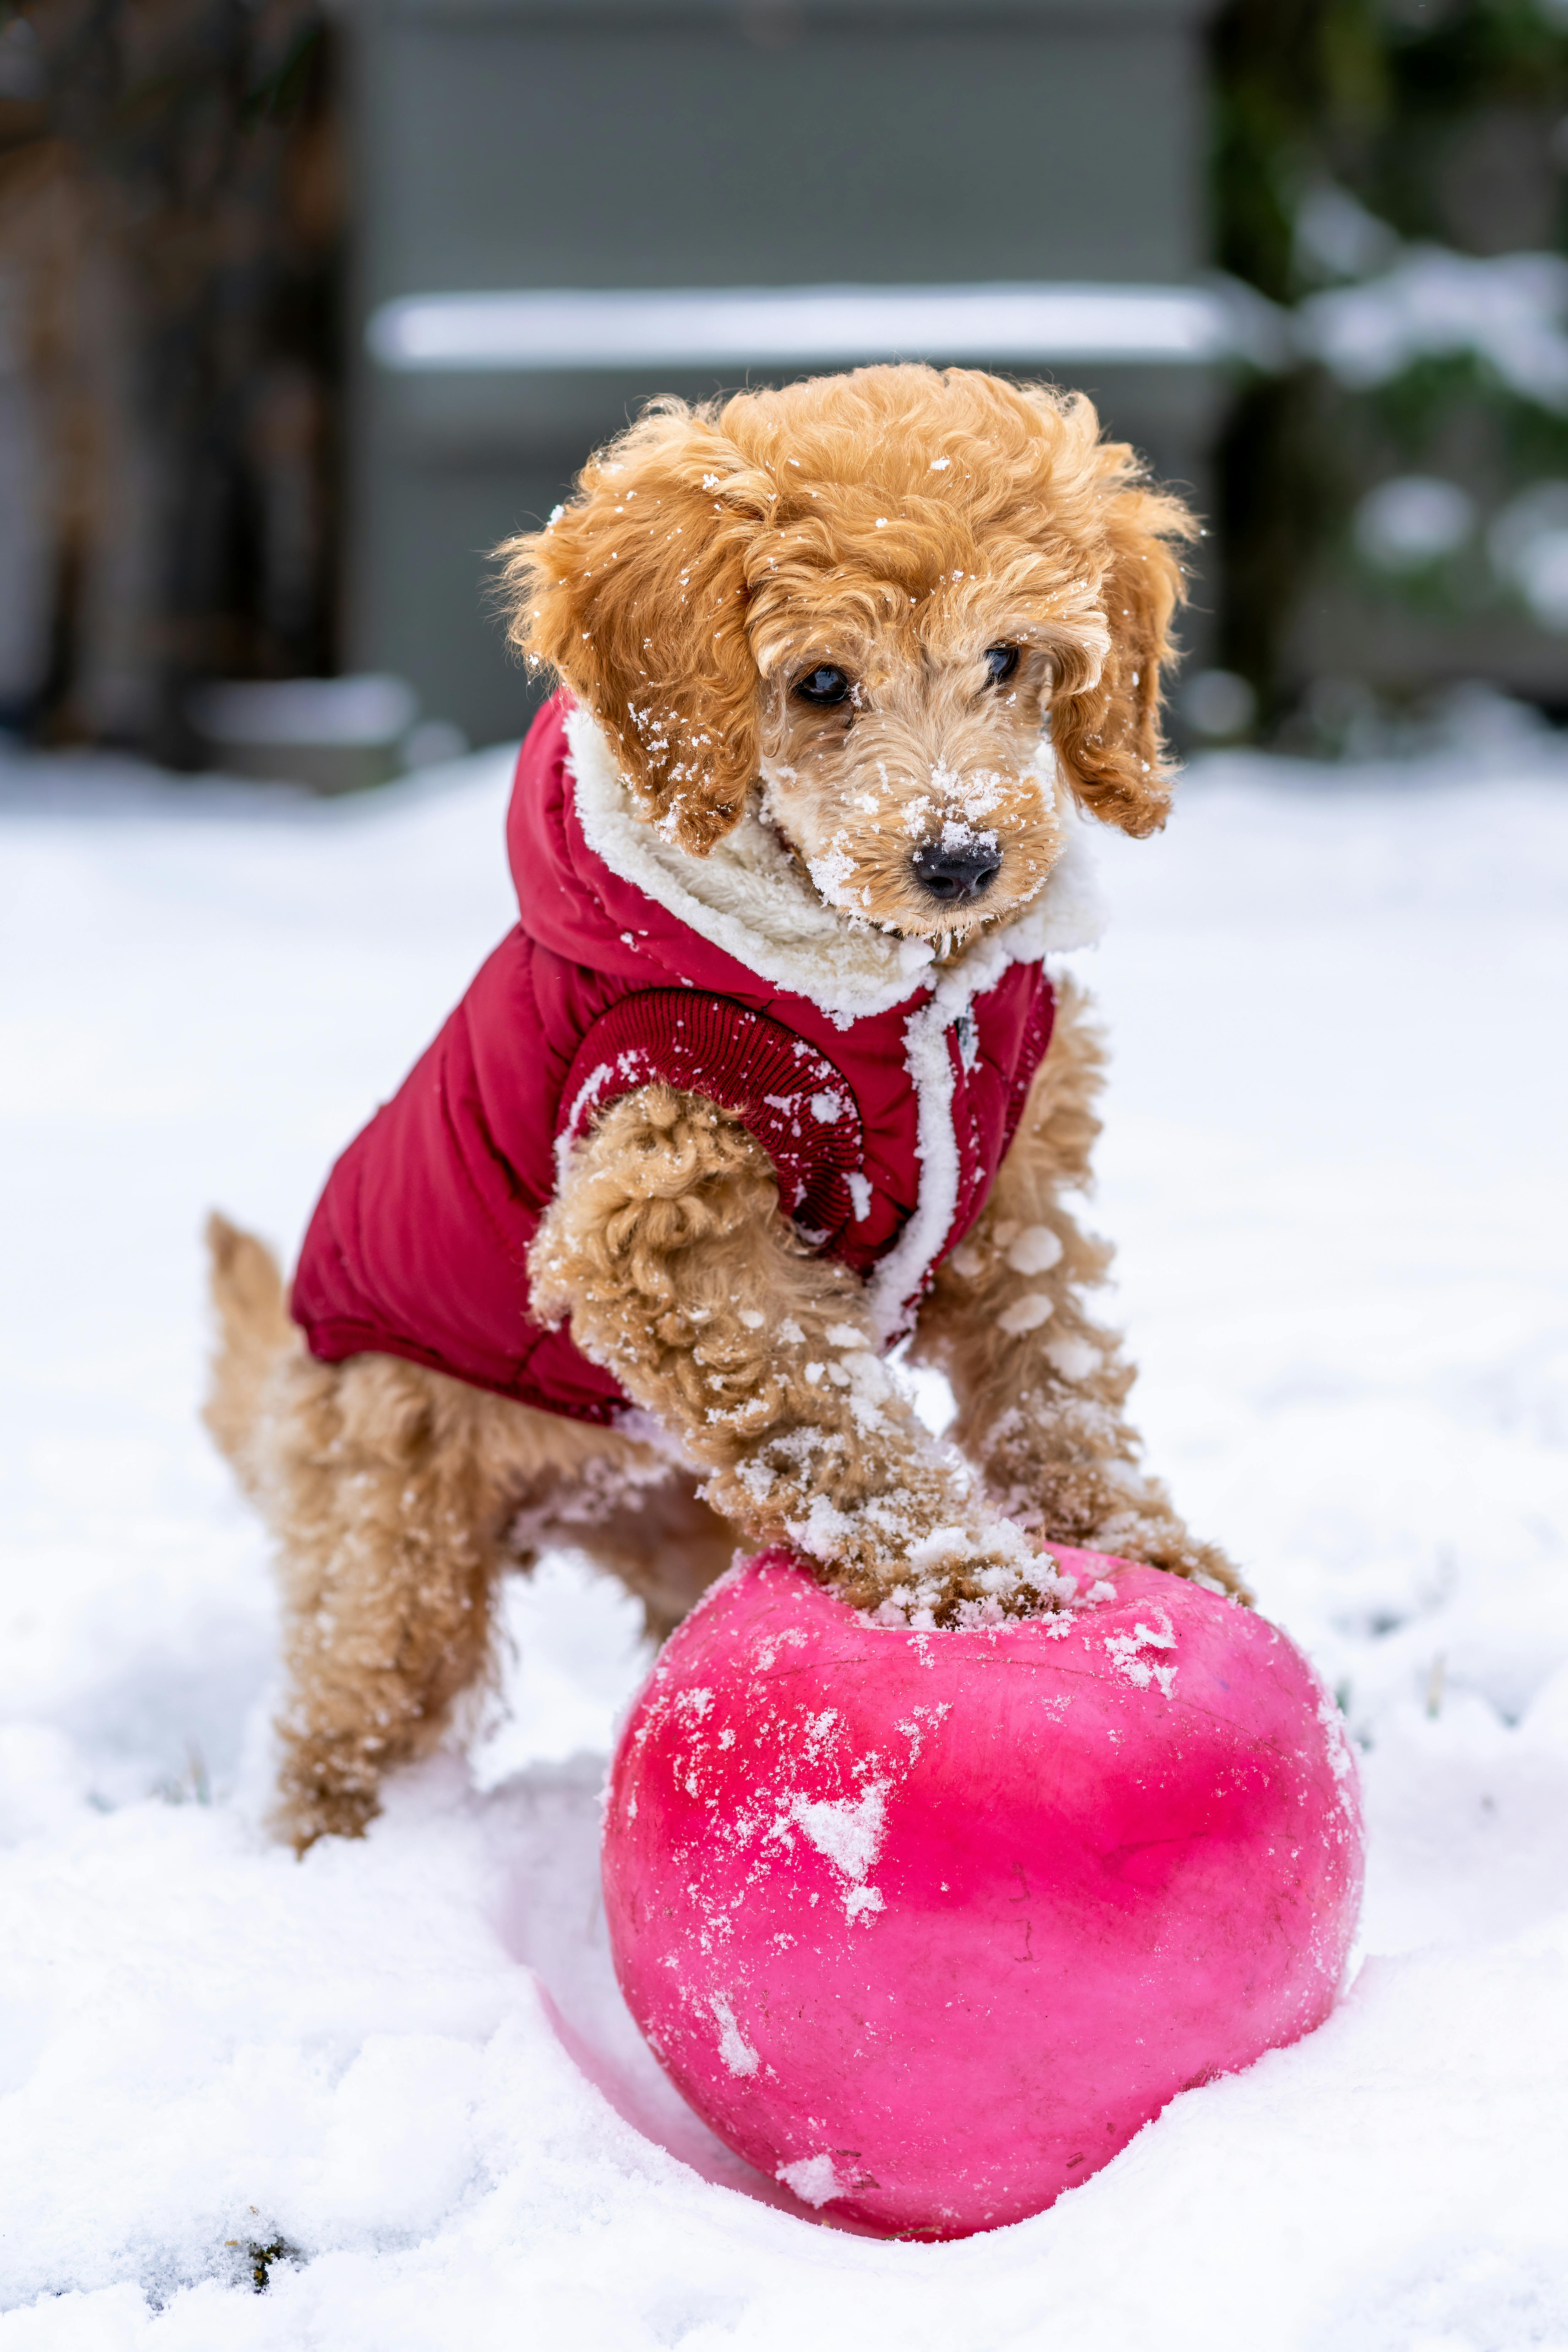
(1378, 98)
(1294, 80)
(1446, 123)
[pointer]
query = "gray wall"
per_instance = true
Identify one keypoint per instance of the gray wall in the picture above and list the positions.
(523, 144)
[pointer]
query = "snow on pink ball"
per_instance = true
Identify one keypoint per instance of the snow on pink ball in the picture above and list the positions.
(928, 1925)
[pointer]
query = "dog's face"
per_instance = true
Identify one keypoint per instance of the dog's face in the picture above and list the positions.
(901, 763)
(863, 597)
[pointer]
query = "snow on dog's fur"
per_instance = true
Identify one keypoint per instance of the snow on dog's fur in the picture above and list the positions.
(840, 614)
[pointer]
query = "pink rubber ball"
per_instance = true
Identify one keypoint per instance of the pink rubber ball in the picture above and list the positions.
(927, 1926)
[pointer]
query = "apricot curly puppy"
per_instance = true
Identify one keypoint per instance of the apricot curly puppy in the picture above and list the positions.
(769, 1077)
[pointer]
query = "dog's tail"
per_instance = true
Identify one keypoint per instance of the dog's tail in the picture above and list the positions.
(253, 1327)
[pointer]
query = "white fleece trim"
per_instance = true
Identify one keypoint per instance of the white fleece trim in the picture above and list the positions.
(897, 1278)
(750, 899)
(1068, 914)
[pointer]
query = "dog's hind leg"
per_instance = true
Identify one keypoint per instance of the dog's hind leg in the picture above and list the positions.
(390, 1511)
(397, 1498)
(662, 1541)
(1041, 1385)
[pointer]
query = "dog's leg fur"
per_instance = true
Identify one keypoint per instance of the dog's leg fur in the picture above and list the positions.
(1041, 1386)
(667, 1249)
(639, 1518)
(396, 1496)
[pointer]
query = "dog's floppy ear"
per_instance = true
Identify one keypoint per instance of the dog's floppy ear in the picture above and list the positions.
(1107, 734)
(636, 595)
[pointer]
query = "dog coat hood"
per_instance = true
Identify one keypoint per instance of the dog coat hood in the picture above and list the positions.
(884, 1094)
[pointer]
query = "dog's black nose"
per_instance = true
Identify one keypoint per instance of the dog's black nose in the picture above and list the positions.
(951, 874)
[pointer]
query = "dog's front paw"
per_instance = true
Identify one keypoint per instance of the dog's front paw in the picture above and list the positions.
(956, 1576)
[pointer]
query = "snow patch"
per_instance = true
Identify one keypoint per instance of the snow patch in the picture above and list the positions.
(1036, 1251)
(1348, 1307)
(1125, 1653)
(849, 1833)
(733, 2047)
(812, 2179)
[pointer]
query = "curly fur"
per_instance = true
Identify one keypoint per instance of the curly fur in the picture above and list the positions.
(898, 522)
(667, 1247)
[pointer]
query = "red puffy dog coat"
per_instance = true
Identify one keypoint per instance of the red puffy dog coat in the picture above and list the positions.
(884, 1099)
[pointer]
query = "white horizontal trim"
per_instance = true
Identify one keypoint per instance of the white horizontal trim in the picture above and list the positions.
(748, 326)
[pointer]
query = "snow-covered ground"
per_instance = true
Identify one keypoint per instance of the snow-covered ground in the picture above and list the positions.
(1336, 1164)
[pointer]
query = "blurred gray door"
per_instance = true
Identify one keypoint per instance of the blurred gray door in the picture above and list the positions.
(624, 144)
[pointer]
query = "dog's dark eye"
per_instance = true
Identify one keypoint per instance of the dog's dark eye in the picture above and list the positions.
(1001, 661)
(824, 685)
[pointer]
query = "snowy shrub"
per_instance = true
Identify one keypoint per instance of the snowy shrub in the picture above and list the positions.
(1392, 173)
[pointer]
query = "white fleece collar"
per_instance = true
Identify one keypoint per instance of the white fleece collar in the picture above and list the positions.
(751, 899)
